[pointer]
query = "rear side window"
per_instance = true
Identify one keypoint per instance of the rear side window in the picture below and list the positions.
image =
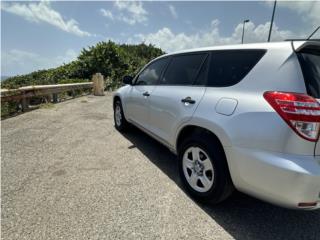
(151, 74)
(183, 69)
(229, 67)
(310, 65)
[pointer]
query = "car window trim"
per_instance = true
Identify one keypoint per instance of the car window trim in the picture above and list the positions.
(199, 71)
(164, 70)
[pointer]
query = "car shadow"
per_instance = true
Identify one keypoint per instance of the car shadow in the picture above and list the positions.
(243, 217)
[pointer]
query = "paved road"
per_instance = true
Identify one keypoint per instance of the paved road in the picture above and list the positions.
(67, 174)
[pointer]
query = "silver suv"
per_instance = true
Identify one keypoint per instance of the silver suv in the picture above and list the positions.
(244, 117)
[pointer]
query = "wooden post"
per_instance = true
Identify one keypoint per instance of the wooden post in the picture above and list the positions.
(24, 104)
(49, 99)
(55, 97)
(98, 84)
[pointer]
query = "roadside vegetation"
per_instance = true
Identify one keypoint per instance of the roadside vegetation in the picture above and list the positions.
(112, 60)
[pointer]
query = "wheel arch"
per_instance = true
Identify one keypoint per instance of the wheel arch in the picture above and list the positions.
(205, 126)
(115, 98)
(194, 129)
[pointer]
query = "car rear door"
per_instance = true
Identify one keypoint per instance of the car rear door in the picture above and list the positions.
(309, 58)
(178, 94)
(144, 85)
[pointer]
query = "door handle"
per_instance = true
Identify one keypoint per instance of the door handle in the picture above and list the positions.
(188, 100)
(146, 94)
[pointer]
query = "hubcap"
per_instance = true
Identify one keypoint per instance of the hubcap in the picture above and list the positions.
(118, 115)
(198, 169)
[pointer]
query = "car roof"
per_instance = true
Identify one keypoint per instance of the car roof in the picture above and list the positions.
(268, 45)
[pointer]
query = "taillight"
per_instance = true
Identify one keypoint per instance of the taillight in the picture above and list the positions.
(300, 111)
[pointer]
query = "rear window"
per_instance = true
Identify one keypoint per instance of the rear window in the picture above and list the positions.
(310, 65)
(229, 67)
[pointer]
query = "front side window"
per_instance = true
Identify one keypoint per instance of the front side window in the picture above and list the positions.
(229, 67)
(183, 69)
(151, 74)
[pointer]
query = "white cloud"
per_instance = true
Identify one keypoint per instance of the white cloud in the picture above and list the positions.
(169, 41)
(173, 11)
(215, 23)
(132, 12)
(107, 14)
(308, 10)
(18, 61)
(42, 12)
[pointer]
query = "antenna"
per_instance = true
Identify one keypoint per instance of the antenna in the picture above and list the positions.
(271, 23)
(313, 32)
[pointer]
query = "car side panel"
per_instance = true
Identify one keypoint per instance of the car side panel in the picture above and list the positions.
(122, 93)
(254, 123)
(137, 105)
(167, 112)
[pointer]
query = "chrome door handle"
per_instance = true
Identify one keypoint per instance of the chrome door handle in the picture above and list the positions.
(188, 100)
(146, 94)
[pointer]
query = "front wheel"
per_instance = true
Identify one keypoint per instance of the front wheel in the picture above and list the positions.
(120, 121)
(204, 170)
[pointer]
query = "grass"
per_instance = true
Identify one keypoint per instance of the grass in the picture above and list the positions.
(47, 106)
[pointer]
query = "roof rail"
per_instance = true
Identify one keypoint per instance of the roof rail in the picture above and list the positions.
(308, 38)
(301, 39)
(313, 32)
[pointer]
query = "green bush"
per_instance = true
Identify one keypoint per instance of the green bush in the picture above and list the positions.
(8, 108)
(110, 59)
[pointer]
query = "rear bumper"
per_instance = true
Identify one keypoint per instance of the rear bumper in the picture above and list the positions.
(282, 179)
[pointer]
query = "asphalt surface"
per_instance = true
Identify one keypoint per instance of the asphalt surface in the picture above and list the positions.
(66, 173)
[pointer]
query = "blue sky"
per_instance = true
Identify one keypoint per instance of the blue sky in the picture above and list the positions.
(39, 35)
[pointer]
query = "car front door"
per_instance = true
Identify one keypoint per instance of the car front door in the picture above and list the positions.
(178, 94)
(144, 85)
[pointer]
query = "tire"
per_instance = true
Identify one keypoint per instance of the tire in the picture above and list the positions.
(206, 177)
(120, 121)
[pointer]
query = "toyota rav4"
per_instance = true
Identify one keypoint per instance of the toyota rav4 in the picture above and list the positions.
(243, 117)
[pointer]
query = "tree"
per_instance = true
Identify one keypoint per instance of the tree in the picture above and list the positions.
(110, 59)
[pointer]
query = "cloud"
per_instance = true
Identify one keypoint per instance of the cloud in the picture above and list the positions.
(43, 12)
(107, 14)
(169, 41)
(131, 12)
(18, 61)
(308, 10)
(173, 11)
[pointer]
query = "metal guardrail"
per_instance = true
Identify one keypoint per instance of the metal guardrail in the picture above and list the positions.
(23, 94)
(40, 90)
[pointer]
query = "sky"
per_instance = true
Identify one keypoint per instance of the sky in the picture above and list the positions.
(41, 35)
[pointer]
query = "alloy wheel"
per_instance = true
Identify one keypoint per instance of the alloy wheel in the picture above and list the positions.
(198, 169)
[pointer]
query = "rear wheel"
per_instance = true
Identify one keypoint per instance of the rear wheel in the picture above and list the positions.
(120, 121)
(204, 170)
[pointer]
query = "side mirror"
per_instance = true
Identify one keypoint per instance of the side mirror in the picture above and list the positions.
(127, 80)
